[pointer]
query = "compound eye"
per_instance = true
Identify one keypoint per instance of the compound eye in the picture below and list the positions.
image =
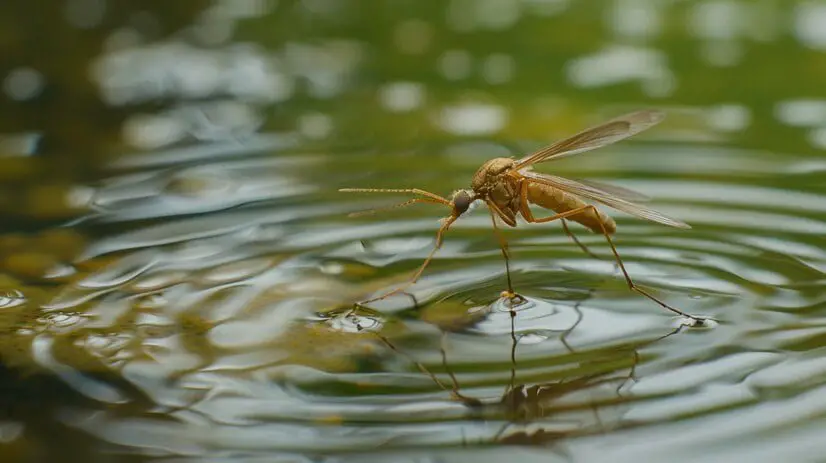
(461, 202)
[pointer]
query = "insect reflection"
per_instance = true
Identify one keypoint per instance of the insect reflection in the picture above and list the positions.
(545, 405)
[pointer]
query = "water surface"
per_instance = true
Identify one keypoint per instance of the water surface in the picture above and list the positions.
(189, 292)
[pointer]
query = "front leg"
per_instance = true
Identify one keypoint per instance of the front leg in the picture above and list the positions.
(439, 237)
(503, 245)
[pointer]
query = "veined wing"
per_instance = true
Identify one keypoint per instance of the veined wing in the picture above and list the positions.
(616, 191)
(596, 194)
(595, 137)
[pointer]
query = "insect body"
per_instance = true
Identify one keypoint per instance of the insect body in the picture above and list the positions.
(497, 181)
(509, 186)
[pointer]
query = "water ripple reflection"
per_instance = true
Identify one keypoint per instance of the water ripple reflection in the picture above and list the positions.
(237, 329)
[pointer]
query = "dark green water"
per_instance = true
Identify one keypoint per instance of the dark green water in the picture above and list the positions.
(177, 268)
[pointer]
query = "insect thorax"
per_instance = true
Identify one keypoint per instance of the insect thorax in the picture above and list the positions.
(489, 174)
(491, 183)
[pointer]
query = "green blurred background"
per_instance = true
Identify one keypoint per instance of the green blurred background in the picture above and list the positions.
(87, 80)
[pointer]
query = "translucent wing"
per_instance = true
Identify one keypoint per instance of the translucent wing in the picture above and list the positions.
(596, 137)
(596, 194)
(617, 191)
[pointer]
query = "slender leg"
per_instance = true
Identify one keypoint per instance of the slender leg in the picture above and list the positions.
(428, 198)
(455, 394)
(526, 212)
(563, 338)
(443, 351)
(419, 365)
(503, 244)
(445, 225)
(514, 341)
(576, 240)
(454, 390)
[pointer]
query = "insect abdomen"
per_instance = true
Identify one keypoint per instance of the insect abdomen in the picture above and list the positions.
(560, 201)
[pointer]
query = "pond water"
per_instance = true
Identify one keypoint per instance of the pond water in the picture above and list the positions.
(179, 277)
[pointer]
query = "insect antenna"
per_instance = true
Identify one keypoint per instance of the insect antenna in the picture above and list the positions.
(415, 191)
(392, 207)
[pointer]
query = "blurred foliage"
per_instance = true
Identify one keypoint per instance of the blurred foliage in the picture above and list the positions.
(338, 58)
(78, 127)
(78, 131)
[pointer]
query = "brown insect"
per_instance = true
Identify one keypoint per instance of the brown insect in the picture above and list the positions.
(509, 186)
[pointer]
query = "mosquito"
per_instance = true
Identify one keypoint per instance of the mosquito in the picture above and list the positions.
(508, 187)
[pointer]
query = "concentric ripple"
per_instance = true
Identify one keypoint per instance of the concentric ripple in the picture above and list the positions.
(238, 329)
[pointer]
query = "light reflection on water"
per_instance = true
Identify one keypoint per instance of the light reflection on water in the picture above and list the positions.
(202, 299)
(240, 335)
